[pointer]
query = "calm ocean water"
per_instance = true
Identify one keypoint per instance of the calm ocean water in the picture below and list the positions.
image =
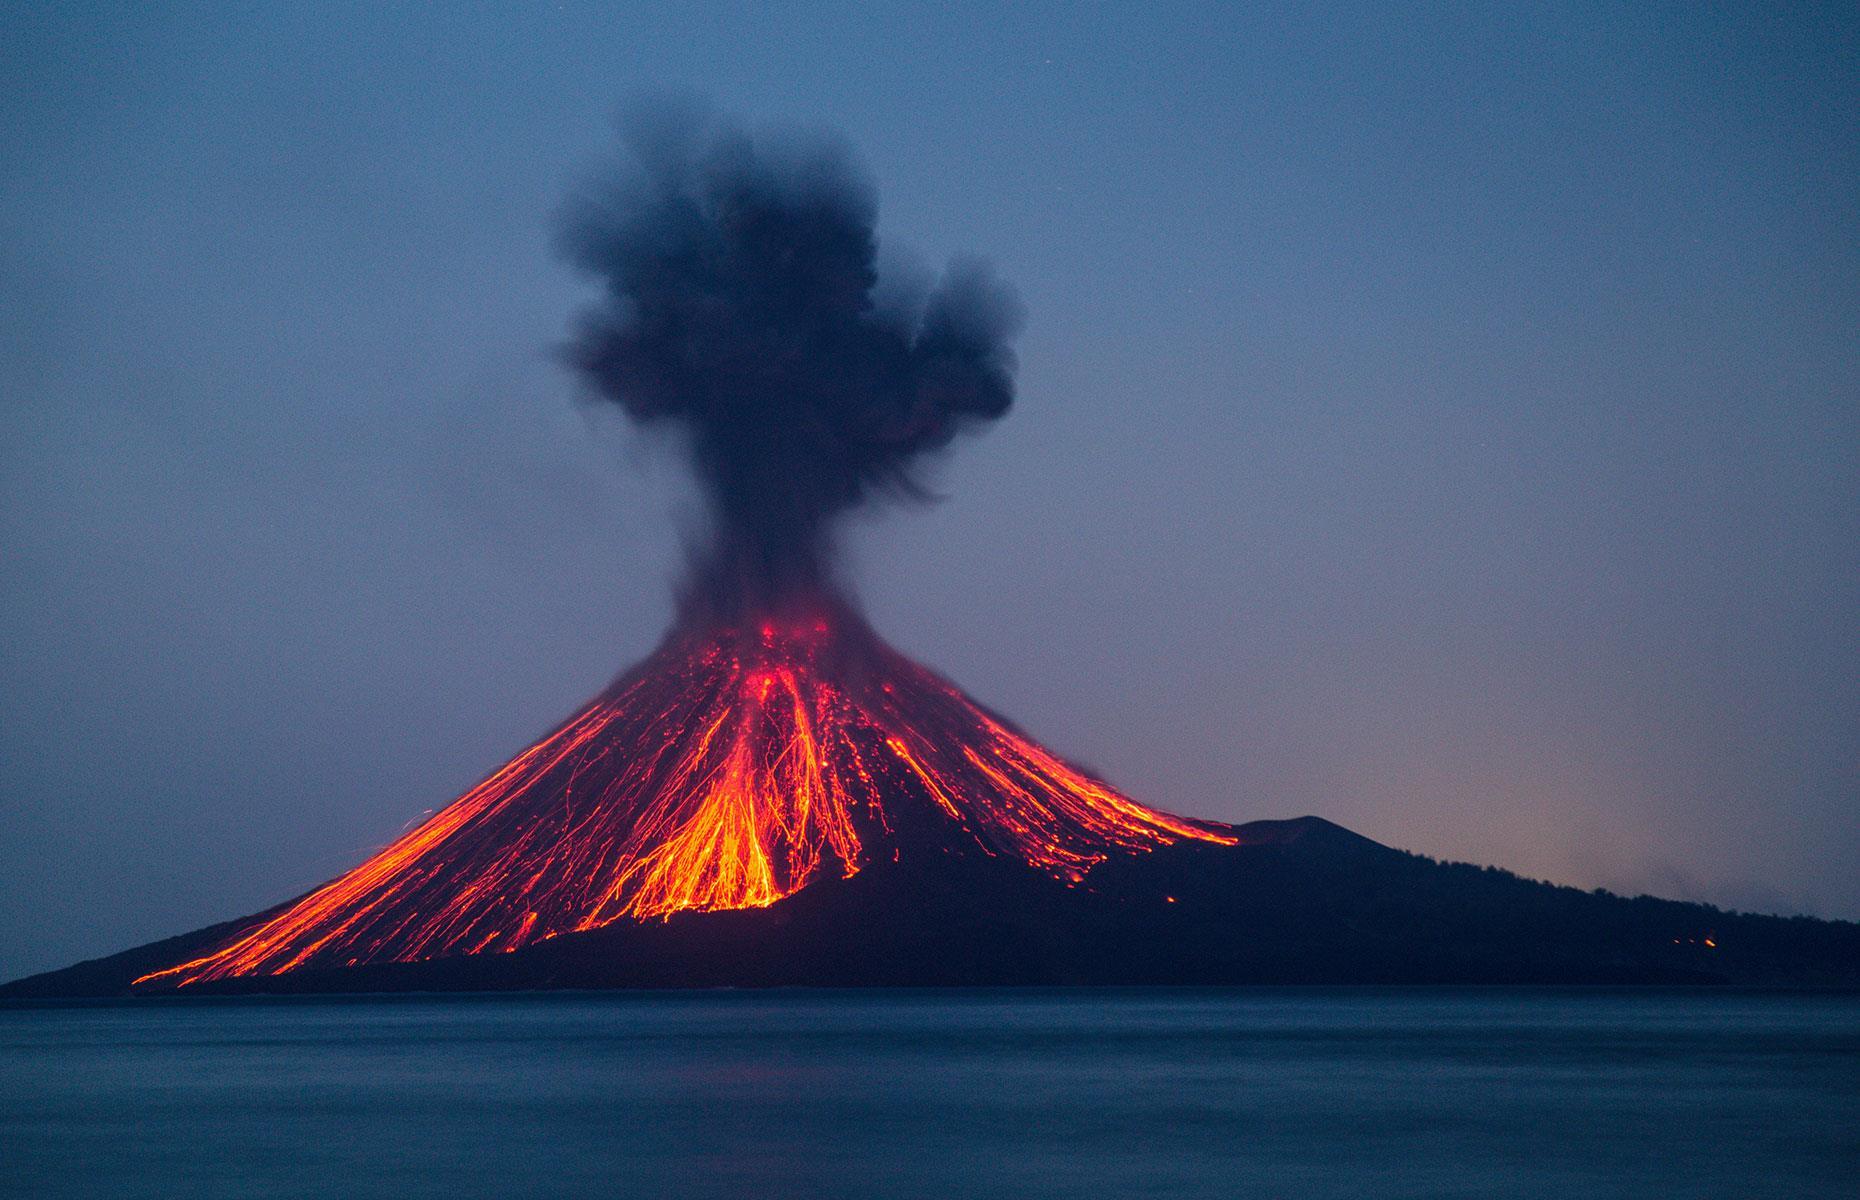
(1360, 1093)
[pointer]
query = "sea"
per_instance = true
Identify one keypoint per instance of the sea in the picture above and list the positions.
(1283, 1092)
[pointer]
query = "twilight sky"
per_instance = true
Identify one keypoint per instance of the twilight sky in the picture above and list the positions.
(1445, 423)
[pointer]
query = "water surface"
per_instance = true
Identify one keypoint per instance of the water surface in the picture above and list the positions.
(1280, 1092)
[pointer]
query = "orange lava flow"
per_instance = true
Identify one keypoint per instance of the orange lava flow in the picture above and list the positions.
(727, 771)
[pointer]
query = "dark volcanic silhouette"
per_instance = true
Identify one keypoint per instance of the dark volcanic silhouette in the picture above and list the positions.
(1299, 901)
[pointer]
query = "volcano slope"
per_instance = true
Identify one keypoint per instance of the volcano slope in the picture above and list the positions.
(1292, 902)
(796, 804)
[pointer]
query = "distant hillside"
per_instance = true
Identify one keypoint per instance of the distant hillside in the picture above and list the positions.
(1301, 901)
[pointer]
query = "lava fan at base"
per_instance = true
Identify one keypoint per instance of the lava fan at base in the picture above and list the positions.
(728, 770)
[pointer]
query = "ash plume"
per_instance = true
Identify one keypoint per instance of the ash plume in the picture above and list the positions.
(739, 309)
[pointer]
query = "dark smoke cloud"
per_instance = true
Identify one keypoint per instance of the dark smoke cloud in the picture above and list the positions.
(740, 277)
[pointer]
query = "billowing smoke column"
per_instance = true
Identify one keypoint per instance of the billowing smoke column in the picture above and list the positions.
(740, 309)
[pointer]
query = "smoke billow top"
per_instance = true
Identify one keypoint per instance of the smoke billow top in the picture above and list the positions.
(740, 309)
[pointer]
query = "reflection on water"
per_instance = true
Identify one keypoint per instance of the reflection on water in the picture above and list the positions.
(1377, 1093)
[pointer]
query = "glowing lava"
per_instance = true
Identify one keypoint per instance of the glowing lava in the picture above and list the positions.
(726, 771)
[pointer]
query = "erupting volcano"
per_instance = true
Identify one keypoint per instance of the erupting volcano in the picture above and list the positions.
(774, 737)
(728, 770)
(775, 796)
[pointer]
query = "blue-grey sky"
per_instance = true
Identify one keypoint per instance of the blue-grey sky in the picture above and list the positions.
(1444, 421)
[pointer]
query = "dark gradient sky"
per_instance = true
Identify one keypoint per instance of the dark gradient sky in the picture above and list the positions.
(1445, 423)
